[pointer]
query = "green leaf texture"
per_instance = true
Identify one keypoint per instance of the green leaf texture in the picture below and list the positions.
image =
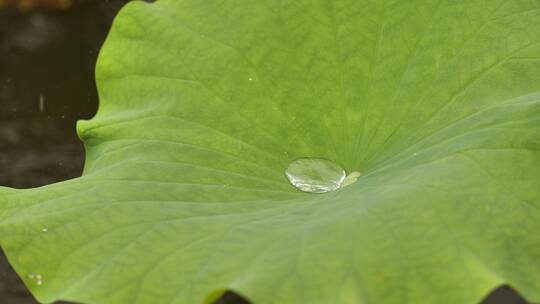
(203, 104)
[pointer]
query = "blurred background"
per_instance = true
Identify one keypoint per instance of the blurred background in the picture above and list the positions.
(48, 50)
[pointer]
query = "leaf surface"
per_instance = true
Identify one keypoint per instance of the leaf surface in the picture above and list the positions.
(203, 105)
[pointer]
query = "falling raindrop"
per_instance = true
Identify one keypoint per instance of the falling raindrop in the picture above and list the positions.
(41, 103)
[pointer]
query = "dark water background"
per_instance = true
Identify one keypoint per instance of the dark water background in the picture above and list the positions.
(50, 56)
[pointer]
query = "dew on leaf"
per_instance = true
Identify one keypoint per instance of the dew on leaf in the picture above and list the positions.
(36, 278)
(315, 175)
(351, 178)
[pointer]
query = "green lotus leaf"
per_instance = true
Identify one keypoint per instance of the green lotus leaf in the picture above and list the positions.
(204, 104)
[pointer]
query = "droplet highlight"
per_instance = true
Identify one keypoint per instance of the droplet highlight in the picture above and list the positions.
(315, 175)
(36, 278)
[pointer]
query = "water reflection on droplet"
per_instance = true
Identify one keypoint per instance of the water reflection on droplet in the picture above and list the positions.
(315, 175)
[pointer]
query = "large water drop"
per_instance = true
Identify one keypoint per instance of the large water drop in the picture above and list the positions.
(315, 175)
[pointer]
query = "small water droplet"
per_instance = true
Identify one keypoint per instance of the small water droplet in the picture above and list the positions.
(250, 78)
(351, 178)
(315, 175)
(45, 229)
(36, 278)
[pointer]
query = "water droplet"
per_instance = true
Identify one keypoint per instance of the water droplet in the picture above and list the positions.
(351, 178)
(250, 78)
(45, 229)
(315, 175)
(36, 278)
